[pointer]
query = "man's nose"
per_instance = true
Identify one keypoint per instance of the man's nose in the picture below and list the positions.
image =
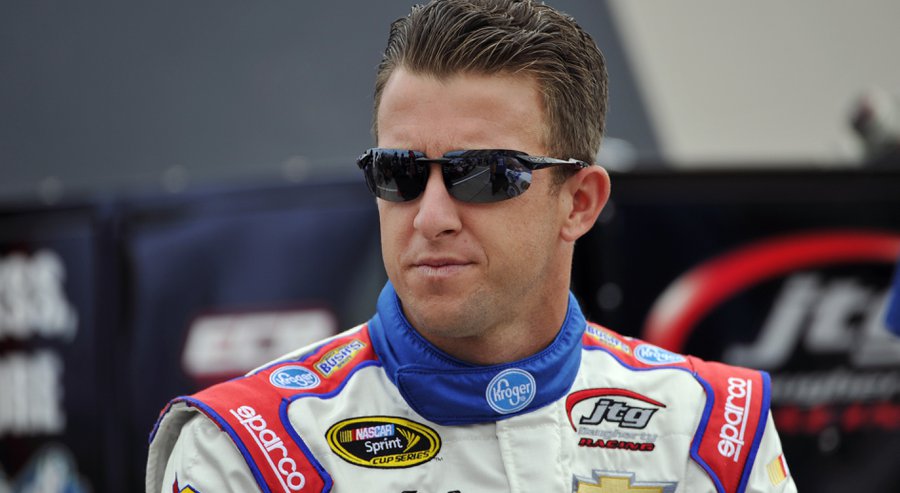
(438, 213)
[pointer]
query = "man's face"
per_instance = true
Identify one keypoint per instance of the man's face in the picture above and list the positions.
(460, 269)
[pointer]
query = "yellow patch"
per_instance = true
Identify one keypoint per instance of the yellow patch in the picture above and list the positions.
(616, 482)
(383, 442)
(778, 470)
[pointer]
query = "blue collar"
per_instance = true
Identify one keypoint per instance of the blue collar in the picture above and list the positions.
(448, 391)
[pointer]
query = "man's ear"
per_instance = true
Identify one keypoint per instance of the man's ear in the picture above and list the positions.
(589, 191)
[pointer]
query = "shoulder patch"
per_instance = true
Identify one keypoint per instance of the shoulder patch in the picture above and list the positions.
(632, 352)
(253, 410)
(334, 360)
(322, 370)
(733, 421)
(595, 335)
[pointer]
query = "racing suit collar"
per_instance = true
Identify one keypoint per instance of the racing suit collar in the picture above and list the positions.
(448, 391)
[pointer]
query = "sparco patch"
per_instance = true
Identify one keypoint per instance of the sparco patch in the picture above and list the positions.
(383, 442)
(737, 409)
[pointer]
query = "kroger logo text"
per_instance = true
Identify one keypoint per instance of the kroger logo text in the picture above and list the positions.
(654, 355)
(294, 377)
(510, 391)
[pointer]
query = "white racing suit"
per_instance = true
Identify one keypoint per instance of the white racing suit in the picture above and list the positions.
(379, 409)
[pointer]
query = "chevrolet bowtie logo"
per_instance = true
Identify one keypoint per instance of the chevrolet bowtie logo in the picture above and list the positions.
(618, 482)
(186, 489)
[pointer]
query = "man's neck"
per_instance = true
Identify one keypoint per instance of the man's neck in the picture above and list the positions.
(503, 344)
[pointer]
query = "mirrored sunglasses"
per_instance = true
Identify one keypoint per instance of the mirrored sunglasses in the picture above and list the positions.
(474, 176)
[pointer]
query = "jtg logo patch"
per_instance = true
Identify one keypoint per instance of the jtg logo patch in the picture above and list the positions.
(510, 391)
(611, 418)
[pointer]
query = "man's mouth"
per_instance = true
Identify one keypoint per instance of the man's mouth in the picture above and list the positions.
(439, 267)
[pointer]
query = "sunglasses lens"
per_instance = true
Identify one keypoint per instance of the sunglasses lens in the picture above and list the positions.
(479, 176)
(485, 176)
(394, 175)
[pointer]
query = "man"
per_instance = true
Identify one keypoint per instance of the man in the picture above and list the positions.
(478, 372)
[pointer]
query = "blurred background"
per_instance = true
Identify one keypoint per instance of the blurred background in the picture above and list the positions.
(179, 203)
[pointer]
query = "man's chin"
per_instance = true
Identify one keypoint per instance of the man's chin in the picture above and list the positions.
(436, 291)
(442, 319)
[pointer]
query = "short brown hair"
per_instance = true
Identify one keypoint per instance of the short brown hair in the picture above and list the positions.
(447, 37)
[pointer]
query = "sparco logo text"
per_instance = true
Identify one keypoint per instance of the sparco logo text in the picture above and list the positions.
(737, 404)
(272, 447)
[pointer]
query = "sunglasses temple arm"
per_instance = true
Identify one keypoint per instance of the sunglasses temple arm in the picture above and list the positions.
(548, 162)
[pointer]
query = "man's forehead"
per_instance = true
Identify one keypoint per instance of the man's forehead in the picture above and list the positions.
(461, 111)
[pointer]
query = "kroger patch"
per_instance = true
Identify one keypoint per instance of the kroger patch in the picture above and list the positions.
(294, 378)
(510, 391)
(655, 355)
